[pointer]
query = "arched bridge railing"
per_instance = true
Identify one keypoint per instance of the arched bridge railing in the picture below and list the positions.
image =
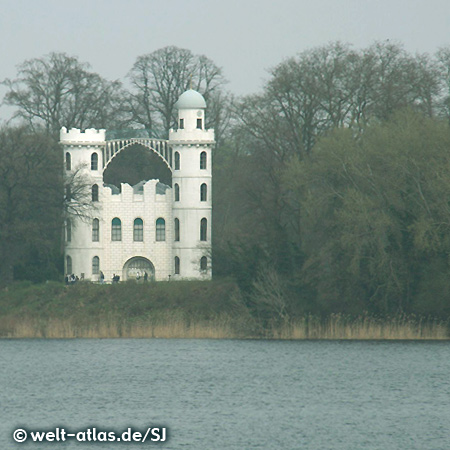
(159, 146)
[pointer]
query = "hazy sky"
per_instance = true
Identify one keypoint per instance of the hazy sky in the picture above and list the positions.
(244, 37)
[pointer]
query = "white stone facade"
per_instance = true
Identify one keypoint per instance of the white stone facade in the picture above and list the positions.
(164, 232)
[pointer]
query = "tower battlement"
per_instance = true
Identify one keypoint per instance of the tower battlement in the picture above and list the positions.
(78, 136)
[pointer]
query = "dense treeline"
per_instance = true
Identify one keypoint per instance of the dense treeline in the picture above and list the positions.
(330, 186)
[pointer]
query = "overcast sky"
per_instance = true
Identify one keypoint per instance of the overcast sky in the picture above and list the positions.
(244, 37)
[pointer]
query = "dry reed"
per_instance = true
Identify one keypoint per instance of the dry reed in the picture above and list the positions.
(226, 327)
(337, 326)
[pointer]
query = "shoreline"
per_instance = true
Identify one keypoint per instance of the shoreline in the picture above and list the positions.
(224, 327)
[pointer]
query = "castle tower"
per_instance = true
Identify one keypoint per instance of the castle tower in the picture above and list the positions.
(191, 184)
(83, 158)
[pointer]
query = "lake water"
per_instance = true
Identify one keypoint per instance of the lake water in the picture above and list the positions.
(230, 394)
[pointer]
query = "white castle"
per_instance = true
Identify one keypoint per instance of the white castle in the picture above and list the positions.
(150, 230)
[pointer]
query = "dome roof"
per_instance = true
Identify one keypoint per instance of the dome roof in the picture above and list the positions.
(191, 100)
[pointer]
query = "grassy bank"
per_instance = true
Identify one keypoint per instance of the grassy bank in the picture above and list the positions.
(179, 310)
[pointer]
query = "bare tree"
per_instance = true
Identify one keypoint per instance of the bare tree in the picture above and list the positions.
(334, 86)
(270, 294)
(159, 78)
(57, 90)
(78, 194)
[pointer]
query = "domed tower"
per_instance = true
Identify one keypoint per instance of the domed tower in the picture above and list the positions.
(191, 183)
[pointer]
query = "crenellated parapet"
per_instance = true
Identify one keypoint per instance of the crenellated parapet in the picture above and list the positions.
(150, 191)
(77, 136)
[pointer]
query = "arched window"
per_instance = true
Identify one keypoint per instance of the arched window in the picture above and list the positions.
(69, 265)
(203, 160)
(68, 161)
(116, 229)
(203, 263)
(95, 193)
(203, 229)
(160, 229)
(68, 230)
(95, 265)
(138, 230)
(203, 192)
(177, 161)
(177, 192)
(177, 265)
(94, 161)
(177, 230)
(95, 230)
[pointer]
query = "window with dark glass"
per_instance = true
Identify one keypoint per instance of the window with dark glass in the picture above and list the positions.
(138, 230)
(68, 265)
(177, 192)
(68, 193)
(116, 229)
(203, 263)
(177, 161)
(95, 230)
(68, 161)
(160, 229)
(203, 229)
(94, 161)
(95, 265)
(203, 160)
(203, 192)
(181, 124)
(177, 230)
(68, 230)
(177, 265)
(199, 123)
(95, 193)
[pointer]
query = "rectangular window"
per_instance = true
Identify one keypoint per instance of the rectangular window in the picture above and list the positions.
(203, 160)
(68, 265)
(95, 265)
(138, 231)
(160, 229)
(116, 229)
(116, 234)
(68, 230)
(177, 230)
(181, 124)
(199, 123)
(95, 230)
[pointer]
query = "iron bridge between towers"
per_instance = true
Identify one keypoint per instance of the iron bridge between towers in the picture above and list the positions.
(159, 146)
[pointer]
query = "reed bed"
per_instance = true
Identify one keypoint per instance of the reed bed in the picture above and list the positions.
(338, 326)
(224, 326)
(175, 327)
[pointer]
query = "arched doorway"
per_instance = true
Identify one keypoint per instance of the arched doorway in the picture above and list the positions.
(135, 269)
